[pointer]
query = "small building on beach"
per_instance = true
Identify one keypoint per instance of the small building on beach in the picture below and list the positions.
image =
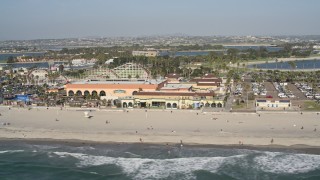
(273, 104)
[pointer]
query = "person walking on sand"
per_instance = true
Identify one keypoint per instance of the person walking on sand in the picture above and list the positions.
(271, 141)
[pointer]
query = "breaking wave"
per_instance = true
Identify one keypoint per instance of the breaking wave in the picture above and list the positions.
(140, 168)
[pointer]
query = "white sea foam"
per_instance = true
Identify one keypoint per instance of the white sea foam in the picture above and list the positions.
(44, 147)
(132, 154)
(140, 168)
(154, 168)
(279, 163)
(10, 151)
(86, 148)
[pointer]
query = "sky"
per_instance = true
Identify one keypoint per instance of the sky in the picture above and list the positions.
(46, 19)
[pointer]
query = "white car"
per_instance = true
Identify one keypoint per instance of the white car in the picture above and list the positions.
(263, 93)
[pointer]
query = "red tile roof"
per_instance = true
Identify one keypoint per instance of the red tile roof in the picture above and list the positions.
(209, 76)
(173, 76)
(206, 80)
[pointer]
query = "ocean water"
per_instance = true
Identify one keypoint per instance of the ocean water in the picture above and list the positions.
(42, 160)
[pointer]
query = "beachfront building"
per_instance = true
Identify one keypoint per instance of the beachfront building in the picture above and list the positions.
(273, 104)
(111, 89)
(172, 96)
(175, 95)
(175, 100)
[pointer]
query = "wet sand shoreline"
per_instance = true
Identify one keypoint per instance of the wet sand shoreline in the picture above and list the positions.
(301, 149)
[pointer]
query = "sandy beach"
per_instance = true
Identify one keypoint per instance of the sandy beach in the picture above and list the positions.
(162, 126)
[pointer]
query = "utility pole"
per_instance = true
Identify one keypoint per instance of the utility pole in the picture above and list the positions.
(247, 100)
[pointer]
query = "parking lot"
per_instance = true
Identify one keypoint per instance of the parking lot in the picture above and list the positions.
(271, 90)
(299, 95)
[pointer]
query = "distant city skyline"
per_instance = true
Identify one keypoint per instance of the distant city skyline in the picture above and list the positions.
(47, 19)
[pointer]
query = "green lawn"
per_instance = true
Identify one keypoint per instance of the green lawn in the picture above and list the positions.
(311, 106)
(243, 105)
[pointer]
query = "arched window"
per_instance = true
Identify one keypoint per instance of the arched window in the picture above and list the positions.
(71, 93)
(134, 92)
(86, 93)
(174, 105)
(94, 93)
(207, 105)
(124, 105)
(102, 93)
(168, 105)
(79, 93)
(219, 105)
(130, 104)
(213, 105)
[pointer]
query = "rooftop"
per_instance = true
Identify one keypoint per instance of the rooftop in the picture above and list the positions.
(152, 81)
(161, 93)
(177, 86)
(273, 100)
(173, 75)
